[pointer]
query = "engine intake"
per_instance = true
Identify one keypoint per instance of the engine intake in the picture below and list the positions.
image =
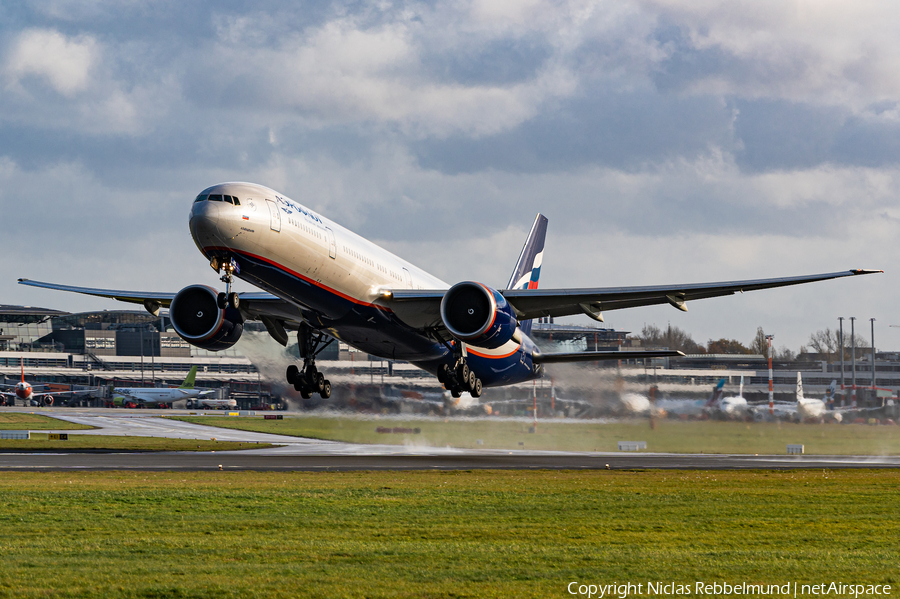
(478, 315)
(198, 319)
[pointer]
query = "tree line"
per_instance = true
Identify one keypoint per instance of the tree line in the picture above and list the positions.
(825, 342)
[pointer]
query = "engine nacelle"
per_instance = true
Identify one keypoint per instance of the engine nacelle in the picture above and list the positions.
(200, 321)
(478, 315)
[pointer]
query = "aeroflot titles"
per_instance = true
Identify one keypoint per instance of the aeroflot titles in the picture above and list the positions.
(718, 589)
(291, 207)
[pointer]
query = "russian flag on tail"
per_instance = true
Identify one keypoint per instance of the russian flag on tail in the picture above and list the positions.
(528, 268)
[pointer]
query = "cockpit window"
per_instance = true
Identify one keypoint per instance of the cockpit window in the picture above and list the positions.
(228, 199)
(201, 198)
(215, 197)
(237, 202)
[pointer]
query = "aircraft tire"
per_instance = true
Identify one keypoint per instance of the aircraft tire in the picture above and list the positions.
(462, 373)
(325, 393)
(221, 301)
(234, 300)
(299, 386)
(476, 392)
(305, 394)
(455, 393)
(470, 383)
(443, 373)
(292, 374)
(320, 382)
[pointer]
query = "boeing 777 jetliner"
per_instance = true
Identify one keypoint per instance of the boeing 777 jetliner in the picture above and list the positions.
(325, 282)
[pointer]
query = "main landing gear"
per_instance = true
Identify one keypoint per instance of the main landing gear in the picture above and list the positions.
(229, 299)
(309, 380)
(459, 377)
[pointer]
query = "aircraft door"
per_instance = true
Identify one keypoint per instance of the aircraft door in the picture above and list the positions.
(274, 216)
(407, 278)
(332, 244)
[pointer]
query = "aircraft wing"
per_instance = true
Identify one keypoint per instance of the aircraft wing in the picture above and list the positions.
(424, 305)
(591, 356)
(273, 311)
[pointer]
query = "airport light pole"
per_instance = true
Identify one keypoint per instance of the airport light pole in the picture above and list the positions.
(841, 343)
(853, 362)
(872, 320)
(771, 386)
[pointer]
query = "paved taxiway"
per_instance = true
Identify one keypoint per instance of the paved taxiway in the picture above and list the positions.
(293, 453)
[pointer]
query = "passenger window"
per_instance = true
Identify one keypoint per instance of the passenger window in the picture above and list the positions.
(215, 197)
(201, 198)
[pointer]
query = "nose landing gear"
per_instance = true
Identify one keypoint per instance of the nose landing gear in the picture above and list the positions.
(229, 299)
(308, 380)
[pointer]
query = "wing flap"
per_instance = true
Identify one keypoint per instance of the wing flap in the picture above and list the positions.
(593, 356)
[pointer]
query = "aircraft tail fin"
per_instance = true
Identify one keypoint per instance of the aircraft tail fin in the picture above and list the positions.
(829, 394)
(22, 364)
(189, 379)
(528, 268)
(741, 390)
(716, 393)
(799, 388)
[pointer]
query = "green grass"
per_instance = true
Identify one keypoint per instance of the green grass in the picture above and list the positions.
(437, 534)
(668, 435)
(40, 442)
(25, 421)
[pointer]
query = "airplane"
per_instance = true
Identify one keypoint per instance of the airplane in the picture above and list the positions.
(690, 407)
(25, 392)
(155, 396)
(326, 282)
(728, 407)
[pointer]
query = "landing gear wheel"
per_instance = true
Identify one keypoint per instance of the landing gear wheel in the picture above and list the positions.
(305, 394)
(476, 392)
(443, 374)
(462, 373)
(320, 382)
(325, 393)
(470, 383)
(455, 392)
(234, 300)
(293, 374)
(221, 301)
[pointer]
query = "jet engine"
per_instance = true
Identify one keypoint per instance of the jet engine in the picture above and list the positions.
(197, 319)
(478, 315)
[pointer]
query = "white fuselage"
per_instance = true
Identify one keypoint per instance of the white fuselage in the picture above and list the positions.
(155, 395)
(280, 230)
(345, 268)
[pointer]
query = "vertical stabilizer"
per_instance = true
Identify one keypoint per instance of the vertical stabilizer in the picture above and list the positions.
(799, 388)
(716, 394)
(741, 390)
(528, 268)
(189, 379)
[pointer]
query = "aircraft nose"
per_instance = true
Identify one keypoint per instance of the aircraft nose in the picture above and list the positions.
(203, 221)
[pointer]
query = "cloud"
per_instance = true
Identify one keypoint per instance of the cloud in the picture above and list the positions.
(62, 62)
(666, 140)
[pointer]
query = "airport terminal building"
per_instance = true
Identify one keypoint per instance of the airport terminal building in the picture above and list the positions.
(134, 348)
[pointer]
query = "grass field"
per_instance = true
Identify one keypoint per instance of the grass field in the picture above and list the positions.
(668, 436)
(438, 534)
(24, 421)
(40, 442)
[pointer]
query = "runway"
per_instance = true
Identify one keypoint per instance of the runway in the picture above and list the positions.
(294, 453)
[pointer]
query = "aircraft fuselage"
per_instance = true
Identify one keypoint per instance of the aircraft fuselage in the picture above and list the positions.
(335, 278)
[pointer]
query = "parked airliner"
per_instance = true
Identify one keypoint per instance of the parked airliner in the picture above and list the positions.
(24, 391)
(325, 282)
(160, 396)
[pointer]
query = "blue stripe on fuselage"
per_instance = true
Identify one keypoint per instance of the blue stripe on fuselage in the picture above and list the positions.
(373, 329)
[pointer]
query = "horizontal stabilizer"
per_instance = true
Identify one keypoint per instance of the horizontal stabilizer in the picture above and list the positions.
(592, 356)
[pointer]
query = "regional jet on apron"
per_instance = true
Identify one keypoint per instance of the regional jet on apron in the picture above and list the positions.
(324, 282)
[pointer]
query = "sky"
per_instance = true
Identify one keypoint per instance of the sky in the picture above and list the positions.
(667, 141)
